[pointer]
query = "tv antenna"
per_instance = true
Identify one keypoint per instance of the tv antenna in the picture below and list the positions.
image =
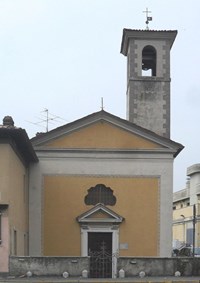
(148, 19)
(47, 118)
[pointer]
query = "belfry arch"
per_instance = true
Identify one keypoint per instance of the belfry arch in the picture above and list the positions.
(149, 60)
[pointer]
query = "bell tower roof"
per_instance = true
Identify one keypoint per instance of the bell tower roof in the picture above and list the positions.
(146, 34)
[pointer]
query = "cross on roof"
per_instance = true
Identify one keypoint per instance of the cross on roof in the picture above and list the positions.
(148, 19)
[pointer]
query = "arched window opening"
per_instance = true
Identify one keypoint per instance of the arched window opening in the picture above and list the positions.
(100, 194)
(149, 61)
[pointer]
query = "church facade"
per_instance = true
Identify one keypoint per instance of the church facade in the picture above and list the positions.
(106, 178)
(106, 183)
(101, 159)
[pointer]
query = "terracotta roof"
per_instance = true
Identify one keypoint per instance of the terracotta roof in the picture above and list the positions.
(19, 140)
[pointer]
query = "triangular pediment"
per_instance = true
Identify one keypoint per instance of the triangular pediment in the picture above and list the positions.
(103, 131)
(100, 214)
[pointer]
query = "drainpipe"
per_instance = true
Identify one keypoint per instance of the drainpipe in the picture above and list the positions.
(194, 222)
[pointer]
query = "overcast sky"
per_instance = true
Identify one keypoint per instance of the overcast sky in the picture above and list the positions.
(64, 55)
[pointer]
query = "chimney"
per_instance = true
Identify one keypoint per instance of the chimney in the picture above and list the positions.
(8, 121)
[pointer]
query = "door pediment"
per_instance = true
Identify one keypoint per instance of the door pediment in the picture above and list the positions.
(100, 214)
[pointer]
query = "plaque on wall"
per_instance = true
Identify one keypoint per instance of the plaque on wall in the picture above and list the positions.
(123, 246)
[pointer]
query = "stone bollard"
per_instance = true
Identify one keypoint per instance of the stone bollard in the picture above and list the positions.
(121, 273)
(65, 274)
(85, 273)
(29, 274)
(142, 274)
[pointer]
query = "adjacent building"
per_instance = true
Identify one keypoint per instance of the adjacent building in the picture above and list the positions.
(16, 154)
(186, 211)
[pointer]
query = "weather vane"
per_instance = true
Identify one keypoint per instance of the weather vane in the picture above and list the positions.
(148, 19)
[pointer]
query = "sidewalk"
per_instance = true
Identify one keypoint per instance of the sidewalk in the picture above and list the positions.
(104, 280)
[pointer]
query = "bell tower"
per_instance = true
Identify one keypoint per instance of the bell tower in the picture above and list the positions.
(148, 78)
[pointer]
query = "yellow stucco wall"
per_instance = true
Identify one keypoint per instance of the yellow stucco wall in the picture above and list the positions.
(102, 135)
(12, 192)
(137, 202)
